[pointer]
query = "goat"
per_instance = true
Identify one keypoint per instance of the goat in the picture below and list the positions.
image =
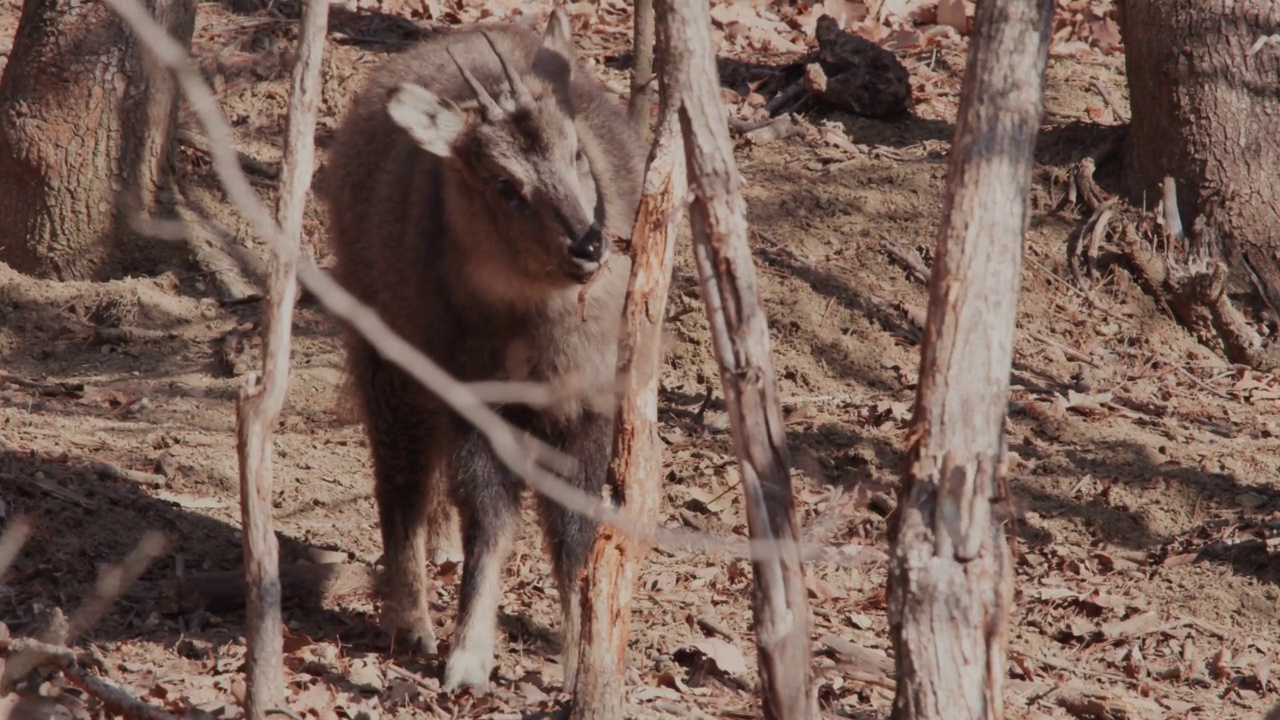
(471, 189)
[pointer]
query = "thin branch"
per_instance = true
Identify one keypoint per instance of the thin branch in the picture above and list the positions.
(15, 536)
(113, 581)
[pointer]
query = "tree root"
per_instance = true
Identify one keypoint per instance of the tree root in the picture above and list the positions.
(1171, 267)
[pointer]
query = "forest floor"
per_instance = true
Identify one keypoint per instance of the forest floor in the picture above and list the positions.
(1144, 468)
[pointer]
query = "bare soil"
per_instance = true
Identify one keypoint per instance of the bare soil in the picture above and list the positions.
(1144, 468)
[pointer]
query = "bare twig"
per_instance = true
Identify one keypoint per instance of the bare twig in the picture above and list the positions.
(15, 536)
(113, 581)
(26, 655)
(260, 404)
(117, 701)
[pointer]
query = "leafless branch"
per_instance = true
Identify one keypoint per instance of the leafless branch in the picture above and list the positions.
(24, 655)
(260, 404)
(113, 581)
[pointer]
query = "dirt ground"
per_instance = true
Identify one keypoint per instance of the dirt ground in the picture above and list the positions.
(1144, 467)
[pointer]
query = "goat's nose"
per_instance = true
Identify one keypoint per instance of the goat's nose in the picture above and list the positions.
(589, 247)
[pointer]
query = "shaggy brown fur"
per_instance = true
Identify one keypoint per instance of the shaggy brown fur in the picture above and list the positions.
(471, 221)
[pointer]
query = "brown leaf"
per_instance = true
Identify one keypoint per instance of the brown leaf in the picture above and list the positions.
(951, 12)
(726, 656)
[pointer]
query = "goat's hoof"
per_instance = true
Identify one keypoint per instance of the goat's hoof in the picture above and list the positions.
(422, 642)
(416, 634)
(470, 668)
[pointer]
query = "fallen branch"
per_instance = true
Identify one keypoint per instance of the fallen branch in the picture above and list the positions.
(59, 389)
(248, 163)
(908, 259)
(116, 700)
(115, 472)
(300, 584)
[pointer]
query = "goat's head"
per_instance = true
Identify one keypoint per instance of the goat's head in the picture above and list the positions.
(518, 150)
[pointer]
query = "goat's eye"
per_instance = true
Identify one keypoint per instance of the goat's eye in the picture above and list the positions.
(507, 190)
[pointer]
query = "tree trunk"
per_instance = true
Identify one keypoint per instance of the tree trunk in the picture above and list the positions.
(83, 119)
(635, 472)
(740, 337)
(950, 578)
(1204, 86)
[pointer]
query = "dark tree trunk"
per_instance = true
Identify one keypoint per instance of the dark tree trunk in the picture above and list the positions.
(83, 120)
(1205, 94)
(950, 578)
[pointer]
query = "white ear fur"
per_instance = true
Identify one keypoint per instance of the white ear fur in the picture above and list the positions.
(434, 123)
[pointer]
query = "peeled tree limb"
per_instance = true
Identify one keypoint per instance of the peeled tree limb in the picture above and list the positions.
(260, 403)
(950, 577)
(635, 472)
(740, 335)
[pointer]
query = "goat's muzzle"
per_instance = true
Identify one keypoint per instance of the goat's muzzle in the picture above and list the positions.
(587, 253)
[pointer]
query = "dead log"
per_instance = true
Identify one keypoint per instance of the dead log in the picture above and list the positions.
(259, 404)
(950, 578)
(635, 472)
(740, 335)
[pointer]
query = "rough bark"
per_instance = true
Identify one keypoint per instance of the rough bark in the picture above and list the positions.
(1204, 86)
(260, 403)
(86, 131)
(740, 336)
(950, 579)
(635, 472)
(641, 64)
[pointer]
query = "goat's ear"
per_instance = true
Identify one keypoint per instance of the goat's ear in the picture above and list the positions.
(433, 122)
(555, 58)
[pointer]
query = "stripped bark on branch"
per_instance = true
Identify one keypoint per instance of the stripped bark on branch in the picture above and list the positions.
(635, 472)
(740, 335)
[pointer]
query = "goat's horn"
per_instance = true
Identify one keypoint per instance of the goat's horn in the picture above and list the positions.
(518, 88)
(491, 109)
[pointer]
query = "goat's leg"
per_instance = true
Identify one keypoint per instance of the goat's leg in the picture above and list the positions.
(489, 501)
(406, 490)
(570, 535)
